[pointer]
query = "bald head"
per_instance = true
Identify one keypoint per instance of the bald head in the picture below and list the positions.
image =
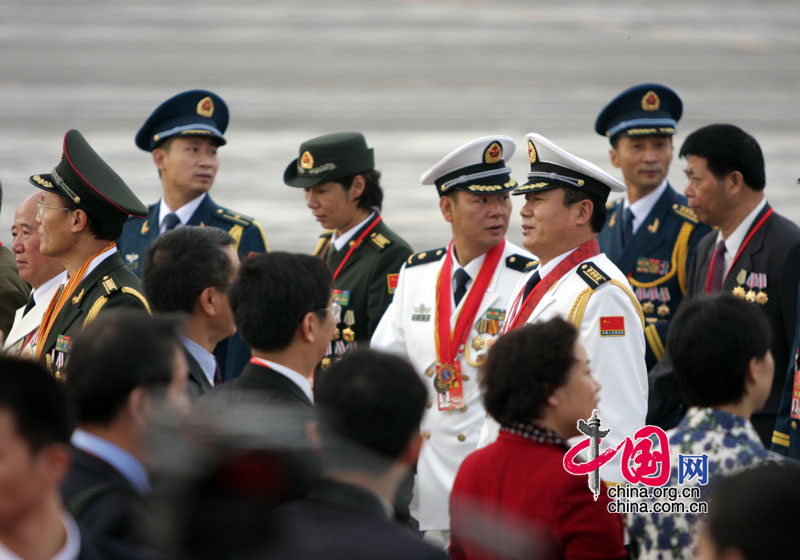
(33, 267)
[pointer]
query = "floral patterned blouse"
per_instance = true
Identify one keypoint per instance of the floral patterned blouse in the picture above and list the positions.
(730, 442)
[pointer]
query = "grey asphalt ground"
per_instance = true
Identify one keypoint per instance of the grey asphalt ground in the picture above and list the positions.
(418, 77)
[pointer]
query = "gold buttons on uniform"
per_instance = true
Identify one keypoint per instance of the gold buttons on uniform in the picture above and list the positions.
(794, 425)
(429, 372)
(461, 437)
(464, 377)
(428, 404)
(427, 434)
(463, 408)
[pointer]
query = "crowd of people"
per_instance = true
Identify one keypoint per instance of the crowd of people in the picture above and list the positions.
(169, 388)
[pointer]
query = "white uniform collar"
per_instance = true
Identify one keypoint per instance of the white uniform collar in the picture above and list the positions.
(341, 241)
(184, 213)
(642, 207)
(54, 281)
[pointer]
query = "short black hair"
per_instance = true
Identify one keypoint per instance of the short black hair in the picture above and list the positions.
(119, 351)
(711, 342)
(184, 262)
(755, 511)
(36, 401)
(727, 148)
(101, 228)
(524, 367)
(599, 212)
(272, 294)
(372, 197)
(368, 401)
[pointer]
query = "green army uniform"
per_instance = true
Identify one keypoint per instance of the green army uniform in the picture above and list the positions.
(91, 185)
(364, 279)
(14, 290)
(365, 284)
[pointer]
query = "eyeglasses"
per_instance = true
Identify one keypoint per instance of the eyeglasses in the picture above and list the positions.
(335, 308)
(40, 209)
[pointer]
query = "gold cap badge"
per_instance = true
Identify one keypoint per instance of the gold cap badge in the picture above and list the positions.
(205, 108)
(493, 153)
(306, 161)
(650, 101)
(531, 152)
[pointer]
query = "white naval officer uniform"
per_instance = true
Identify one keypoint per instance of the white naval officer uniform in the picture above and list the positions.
(21, 339)
(408, 330)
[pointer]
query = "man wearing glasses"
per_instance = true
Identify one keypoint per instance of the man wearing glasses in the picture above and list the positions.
(80, 215)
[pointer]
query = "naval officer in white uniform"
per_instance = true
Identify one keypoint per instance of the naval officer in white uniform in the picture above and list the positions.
(564, 211)
(448, 308)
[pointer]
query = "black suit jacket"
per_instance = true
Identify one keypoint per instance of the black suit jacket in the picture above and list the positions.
(341, 521)
(113, 515)
(197, 384)
(773, 250)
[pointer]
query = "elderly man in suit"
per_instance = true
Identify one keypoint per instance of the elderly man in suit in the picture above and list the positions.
(754, 254)
(189, 270)
(44, 274)
(13, 289)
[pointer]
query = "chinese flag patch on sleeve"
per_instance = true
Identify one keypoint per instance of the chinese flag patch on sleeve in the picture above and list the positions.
(612, 326)
(391, 282)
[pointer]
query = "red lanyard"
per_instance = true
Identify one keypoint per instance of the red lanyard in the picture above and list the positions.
(447, 343)
(353, 246)
(518, 314)
(744, 244)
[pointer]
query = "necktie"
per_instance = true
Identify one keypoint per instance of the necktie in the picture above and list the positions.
(718, 269)
(531, 284)
(29, 305)
(170, 221)
(462, 277)
(217, 375)
(627, 226)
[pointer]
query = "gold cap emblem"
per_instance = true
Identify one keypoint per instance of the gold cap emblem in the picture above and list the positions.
(531, 152)
(205, 107)
(306, 161)
(493, 153)
(650, 101)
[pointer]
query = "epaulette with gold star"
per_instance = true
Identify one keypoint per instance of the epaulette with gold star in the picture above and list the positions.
(520, 263)
(685, 212)
(426, 257)
(592, 275)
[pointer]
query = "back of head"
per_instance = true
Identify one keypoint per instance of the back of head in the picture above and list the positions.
(184, 262)
(523, 369)
(35, 401)
(369, 406)
(711, 342)
(273, 293)
(755, 512)
(116, 353)
(727, 148)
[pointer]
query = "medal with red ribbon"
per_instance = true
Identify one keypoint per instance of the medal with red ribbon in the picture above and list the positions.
(521, 310)
(447, 381)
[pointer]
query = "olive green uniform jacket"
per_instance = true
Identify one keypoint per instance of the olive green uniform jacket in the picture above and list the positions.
(110, 285)
(365, 284)
(14, 290)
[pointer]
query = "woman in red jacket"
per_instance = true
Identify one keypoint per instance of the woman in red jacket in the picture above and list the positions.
(513, 499)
